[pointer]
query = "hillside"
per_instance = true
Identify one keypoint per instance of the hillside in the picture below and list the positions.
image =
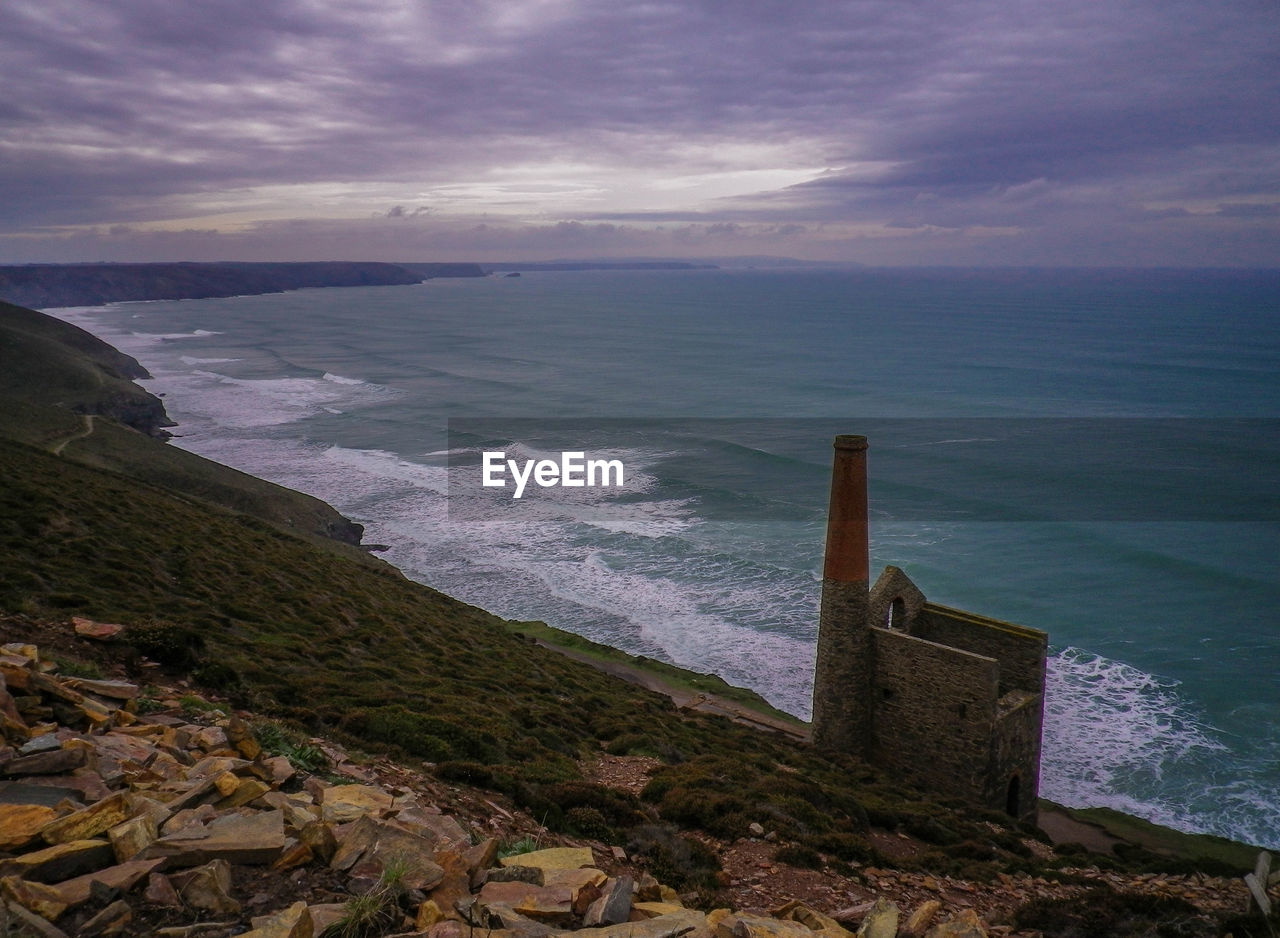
(65, 391)
(233, 598)
(46, 285)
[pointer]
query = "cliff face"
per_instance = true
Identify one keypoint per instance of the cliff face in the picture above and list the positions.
(66, 391)
(49, 361)
(430, 271)
(45, 285)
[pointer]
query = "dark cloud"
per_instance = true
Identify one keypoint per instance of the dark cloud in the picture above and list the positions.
(1069, 123)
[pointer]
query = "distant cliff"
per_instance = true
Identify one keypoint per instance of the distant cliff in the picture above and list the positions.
(428, 271)
(45, 285)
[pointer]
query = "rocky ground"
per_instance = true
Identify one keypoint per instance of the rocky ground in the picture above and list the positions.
(130, 805)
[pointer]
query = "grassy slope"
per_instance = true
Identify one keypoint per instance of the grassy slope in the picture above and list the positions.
(51, 371)
(681, 678)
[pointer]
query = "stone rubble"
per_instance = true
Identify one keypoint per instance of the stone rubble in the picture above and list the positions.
(112, 818)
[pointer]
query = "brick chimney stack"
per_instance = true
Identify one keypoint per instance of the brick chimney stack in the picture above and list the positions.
(841, 711)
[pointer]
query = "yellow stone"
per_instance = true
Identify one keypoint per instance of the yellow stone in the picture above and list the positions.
(97, 715)
(20, 823)
(246, 791)
(344, 803)
(89, 822)
(540, 902)
(553, 858)
(574, 879)
(293, 922)
(716, 916)
(61, 861)
(428, 914)
(686, 923)
(797, 911)
(226, 783)
(742, 925)
(654, 909)
(133, 836)
(922, 918)
(40, 899)
(299, 854)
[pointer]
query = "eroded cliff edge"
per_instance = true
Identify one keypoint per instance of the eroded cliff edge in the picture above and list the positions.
(66, 391)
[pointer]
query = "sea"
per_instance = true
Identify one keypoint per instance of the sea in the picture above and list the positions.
(1093, 453)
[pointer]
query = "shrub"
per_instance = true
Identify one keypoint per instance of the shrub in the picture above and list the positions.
(930, 830)
(800, 856)
(1103, 911)
(431, 738)
(278, 740)
(174, 646)
(680, 862)
(217, 675)
(848, 847)
(588, 822)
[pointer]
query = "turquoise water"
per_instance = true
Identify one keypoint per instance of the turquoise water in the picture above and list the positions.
(722, 390)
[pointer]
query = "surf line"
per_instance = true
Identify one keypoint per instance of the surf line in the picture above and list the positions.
(574, 470)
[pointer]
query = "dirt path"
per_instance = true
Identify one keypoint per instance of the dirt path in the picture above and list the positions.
(87, 420)
(1062, 828)
(686, 699)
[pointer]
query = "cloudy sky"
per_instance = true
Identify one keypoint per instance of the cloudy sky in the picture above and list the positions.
(877, 131)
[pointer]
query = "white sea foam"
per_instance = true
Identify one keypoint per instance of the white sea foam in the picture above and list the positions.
(1116, 736)
(339, 379)
(242, 403)
(191, 360)
(174, 336)
(975, 439)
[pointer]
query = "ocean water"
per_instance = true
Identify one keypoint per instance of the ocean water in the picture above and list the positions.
(1092, 453)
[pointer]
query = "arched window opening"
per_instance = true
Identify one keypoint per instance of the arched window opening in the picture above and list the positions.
(897, 614)
(1011, 798)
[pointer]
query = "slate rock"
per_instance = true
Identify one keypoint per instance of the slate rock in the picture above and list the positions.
(251, 839)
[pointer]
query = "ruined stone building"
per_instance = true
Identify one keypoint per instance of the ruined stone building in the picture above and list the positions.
(948, 700)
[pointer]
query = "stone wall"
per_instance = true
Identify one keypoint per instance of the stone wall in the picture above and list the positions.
(1014, 777)
(895, 602)
(1020, 651)
(934, 713)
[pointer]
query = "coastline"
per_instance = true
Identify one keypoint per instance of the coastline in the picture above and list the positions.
(712, 703)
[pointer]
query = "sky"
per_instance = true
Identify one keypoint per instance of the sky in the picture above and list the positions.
(970, 132)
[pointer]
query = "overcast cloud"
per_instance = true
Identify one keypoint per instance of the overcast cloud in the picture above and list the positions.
(971, 132)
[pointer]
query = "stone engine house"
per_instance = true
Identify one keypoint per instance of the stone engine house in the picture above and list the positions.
(950, 701)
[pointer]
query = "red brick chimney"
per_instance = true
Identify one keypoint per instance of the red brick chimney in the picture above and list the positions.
(842, 676)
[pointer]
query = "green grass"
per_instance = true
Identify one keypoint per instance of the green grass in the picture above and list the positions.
(51, 373)
(1202, 852)
(377, 911)
(194, 705)
(279, 740)
(71, 667)
(514, 848)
